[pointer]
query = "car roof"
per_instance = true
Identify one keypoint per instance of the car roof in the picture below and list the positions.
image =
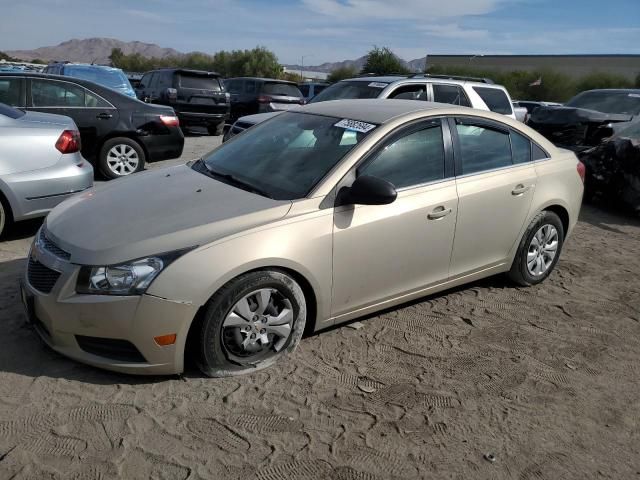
(186, 70)
(262, 79)
(372, 110)
(613, 90)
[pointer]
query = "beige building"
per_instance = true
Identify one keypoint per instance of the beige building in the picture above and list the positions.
(573, 65)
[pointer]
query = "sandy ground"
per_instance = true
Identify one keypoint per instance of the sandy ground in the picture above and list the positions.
(483, 382)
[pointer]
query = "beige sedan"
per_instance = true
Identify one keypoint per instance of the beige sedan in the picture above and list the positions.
(304, 221)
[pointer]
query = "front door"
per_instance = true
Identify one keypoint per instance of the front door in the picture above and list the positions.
(381, 252)
(494, 193)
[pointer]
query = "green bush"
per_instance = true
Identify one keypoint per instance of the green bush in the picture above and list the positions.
(341, 74)
(382, 61)
(602, 80)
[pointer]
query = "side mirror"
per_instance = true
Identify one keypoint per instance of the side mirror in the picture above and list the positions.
(171, 94)
(368, 190)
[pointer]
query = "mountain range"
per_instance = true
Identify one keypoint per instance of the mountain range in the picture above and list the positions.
(97, 50)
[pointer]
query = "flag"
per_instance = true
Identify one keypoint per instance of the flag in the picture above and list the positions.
(537, 83)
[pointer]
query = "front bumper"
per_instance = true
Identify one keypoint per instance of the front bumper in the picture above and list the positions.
(65, 320)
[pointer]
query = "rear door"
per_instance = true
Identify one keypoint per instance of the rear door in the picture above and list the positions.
(94, 115)
(495, 190)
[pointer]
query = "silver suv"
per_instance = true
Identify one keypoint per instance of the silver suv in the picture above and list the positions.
(478, 93)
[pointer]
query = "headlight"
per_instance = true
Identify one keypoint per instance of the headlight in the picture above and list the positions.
(130, 278)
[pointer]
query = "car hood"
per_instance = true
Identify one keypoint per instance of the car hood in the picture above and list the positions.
(155, 212)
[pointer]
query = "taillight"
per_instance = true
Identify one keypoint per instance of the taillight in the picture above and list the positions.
(582, 170)
(170, 120)
(264, 99)
(69, 142)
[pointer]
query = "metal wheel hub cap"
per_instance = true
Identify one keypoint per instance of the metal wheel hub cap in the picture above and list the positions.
(122, 159)
(542, 250)
(264, 318)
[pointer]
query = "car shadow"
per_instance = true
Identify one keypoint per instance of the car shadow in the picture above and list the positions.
(607, 217)
(22, 230)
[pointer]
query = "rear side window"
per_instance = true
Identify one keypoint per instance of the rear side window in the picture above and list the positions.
(249, 86)
(10, 91)
(520, 148)
(482, 148)
(410, 92)
(286, 89)
(56, 94)
(411, 160)
(538, 153)
(452, 94)
(496, 99)
(199, 82)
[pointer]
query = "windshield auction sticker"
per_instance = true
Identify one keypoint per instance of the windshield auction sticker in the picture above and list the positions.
(355, 125)
(378, 84)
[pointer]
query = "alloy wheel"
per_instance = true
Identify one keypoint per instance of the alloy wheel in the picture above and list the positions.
(122, 159)
(542, 250)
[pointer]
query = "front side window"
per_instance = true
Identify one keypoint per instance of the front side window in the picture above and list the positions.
(451, 94)
(285, 157)
(521, 148)
(413, 159)
(410, 92)
(482, 148)
(10, 89)
(496, 99)
(233, 86)
(45, 93)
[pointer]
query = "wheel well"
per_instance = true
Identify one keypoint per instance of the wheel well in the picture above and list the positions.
(562, 213)
(7, 206)
(307, 290)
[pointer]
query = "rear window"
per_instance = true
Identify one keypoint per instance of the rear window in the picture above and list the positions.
(625, 103)
(276, 88)
(495, 99)
(350, 89)
(304, 89)
(199, 82)
(10, 112)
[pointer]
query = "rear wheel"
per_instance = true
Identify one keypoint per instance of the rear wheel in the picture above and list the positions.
(539, 250)
(120, 157)
(250, 323)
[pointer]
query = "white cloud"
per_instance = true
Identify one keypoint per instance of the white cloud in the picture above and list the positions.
(453, 30)
(401, 9)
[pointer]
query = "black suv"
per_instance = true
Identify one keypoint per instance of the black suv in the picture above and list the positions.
(118, 133)
(198, 97)
(251, 95)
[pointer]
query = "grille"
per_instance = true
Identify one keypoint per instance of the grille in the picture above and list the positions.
(40, 277)
(111, 348)
(51, 247)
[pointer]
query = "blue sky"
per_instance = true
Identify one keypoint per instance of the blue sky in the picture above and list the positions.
(333, 30)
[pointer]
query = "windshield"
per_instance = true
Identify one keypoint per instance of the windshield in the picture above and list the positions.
(112, 78)
(350, 89)
(625, 103)
(286, 156)
(10, 112)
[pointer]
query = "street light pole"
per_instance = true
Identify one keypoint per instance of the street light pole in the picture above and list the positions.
(302, 65)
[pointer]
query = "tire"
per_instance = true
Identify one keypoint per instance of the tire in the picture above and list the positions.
(6, 218)
(544, 222)
(216, 130)
(220, 348)
(132, 157)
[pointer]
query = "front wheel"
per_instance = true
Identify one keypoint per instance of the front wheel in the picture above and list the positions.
(5, 216)
(539, 250)
(250, 323)
(120, 157)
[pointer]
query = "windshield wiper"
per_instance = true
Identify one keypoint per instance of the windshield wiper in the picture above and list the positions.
(235, 181)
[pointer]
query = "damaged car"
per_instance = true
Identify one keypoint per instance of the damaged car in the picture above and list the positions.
(613, 169)
(588, 118)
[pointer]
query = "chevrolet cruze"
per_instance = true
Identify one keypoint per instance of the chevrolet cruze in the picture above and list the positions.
(306, 220)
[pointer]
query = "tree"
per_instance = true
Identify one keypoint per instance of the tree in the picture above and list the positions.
(4, 56)
(382, 61)
(341, 74)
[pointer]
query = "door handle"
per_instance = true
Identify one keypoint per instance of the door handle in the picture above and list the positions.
(520, 189)
(439, 212)
(104, 116)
